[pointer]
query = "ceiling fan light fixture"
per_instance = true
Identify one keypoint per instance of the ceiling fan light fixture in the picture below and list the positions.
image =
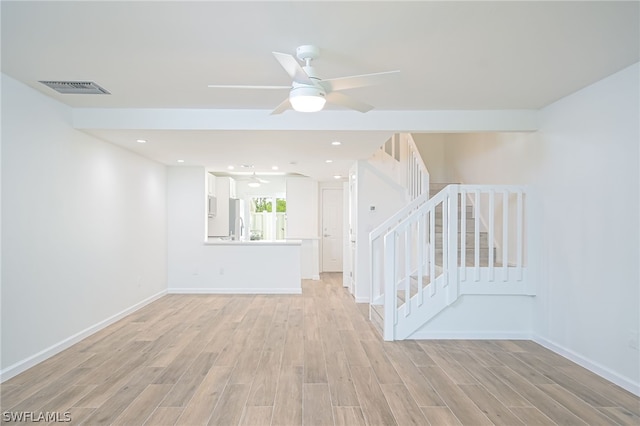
(254, 182)
(307, 99)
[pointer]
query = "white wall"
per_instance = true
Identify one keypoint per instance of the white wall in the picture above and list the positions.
(582, 168)
(481, 317)
(493, 158)
(589, 298)
(431, 147)
(83, 229)
(374, 190)
(186, 217)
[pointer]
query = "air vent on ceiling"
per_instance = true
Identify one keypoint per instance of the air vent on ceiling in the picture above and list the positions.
(76, 87)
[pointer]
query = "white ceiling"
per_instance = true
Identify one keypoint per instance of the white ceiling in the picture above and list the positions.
(452, 56)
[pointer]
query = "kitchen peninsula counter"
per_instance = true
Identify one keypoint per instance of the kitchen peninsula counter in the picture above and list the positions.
(227, 242)
(223, 266)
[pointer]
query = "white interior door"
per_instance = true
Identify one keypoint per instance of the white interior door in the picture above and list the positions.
(332, 229)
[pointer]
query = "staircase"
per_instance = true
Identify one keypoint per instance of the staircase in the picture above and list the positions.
(466, 239)
(469, 236)
(377, 310)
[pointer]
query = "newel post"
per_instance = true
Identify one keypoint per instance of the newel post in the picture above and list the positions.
(389, 286)
(453, 239)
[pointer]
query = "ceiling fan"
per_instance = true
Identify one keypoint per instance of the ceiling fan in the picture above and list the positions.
(308, 92)
(255, 181)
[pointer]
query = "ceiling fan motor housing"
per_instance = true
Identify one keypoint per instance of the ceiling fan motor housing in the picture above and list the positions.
(304, 90)
(307, 52)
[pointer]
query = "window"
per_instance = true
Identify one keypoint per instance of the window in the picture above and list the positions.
(267, 223)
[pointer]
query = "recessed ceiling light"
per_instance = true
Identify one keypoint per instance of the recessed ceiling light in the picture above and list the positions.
(336, 143)
(337, 177)
(230, 167)
(180, 161)
(141, 140)
(274, 168)
(328, 161)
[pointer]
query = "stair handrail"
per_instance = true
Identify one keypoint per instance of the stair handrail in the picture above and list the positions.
(415, 183)
(381, 229)
(421, 168)
(389, 295)
(453, 199)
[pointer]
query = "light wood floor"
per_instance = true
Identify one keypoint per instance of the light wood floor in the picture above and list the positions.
(310, 359)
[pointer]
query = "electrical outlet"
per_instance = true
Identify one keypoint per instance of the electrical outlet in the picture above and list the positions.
(633, 339)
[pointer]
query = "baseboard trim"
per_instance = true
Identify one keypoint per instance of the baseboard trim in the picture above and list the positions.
(20, 366)
(235, 290)
(468, 335)
(590, 365)
(362, 300)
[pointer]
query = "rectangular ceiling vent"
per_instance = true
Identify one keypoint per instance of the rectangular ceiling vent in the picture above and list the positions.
(76, 87)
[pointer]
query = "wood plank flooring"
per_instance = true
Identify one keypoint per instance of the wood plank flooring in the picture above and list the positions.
(311, 359)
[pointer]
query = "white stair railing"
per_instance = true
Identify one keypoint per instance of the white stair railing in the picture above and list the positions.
(402, 153)
(467, 239)
(417, 172)
(376, 247)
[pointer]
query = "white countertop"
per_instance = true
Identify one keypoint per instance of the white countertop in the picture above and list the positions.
(303, 238)
(221, 242)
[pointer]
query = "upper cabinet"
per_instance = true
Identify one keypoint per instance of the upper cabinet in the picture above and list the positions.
(211, 184)
(232, 189)
(218, 223)
(212, 203)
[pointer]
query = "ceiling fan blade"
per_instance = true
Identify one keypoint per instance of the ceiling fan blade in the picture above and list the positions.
(284, 105)
(240, 86)
(354, 81)
(293, 68)
(341, 99)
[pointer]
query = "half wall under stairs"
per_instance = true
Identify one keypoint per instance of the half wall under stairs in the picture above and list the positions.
(466, 240)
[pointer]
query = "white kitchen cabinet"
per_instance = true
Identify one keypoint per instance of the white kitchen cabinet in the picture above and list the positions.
(218, 226)
(211, 184)
(232, 188)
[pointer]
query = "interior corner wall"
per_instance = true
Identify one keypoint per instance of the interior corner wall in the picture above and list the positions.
(431, 147)
(492, 158)
(379, 198)
(83, 230)
(186, 223)
(588, 304)
(582, 171)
